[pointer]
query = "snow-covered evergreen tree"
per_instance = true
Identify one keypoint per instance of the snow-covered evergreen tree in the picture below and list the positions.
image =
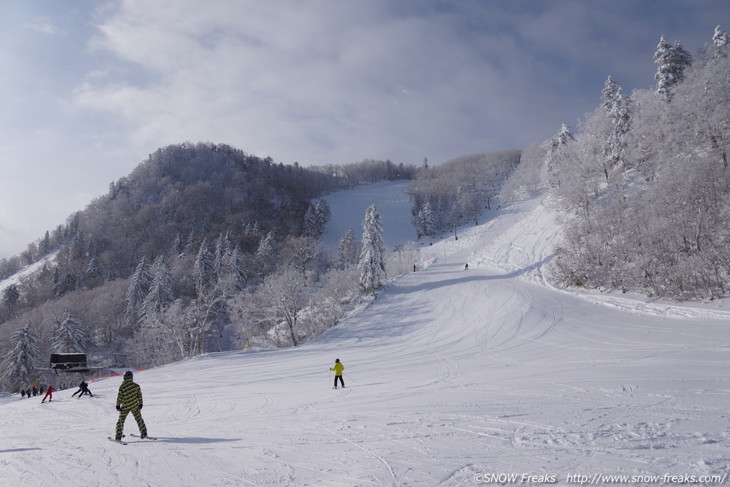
(93, 267)
(323, 213)
(203, 271)
(11, 295)
(347, 250)
(617, 109)
(161, 294)
(266, 254)
(139, 287)
(672, 61)
(564, 136)
(554, 147)
(315, 219)
(372, 254)
(69, 336)
(310, 226)
(236, 269)
(139, 284)
(426, 220)
(719, 47)
(19, 364)
(221, 250)
(720, 38)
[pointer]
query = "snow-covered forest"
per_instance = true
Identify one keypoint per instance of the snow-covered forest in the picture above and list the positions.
(206, 248)
(647, 178)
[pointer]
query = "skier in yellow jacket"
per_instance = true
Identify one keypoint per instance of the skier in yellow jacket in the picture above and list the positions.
(338, 368)
(129, 400)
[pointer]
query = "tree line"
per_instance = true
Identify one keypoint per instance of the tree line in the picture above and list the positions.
(646, 177)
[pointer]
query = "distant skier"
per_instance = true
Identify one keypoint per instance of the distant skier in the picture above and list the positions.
(466, 266)
(86, 391)
(83, 389)
(49, 394)
(129, 400)
(338, 368)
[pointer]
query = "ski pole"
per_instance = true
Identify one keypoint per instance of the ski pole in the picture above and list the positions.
(330, 378)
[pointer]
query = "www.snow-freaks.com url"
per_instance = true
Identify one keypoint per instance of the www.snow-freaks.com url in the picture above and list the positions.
(599, 479)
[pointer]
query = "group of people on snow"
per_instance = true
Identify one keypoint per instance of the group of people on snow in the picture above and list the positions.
(37, 389)
(129, 398)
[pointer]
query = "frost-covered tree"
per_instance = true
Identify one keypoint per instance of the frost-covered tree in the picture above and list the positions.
(11, 295)
(221, 250)
(617, 108)
(203, 271)
(266, 254)
(310, 226)
(161, 294)
(555, 145)
(235, 269)
(19, 364)
(302, 254)
(315, 219)
(323, 213)
(426, 220)
(139, 286)
(69, 336)
(672, 61)
(372, 253)
(287, 295)
(347, 250)
(718, 49)
(720, 38)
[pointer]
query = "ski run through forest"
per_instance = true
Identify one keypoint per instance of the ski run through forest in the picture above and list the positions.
(454, 377)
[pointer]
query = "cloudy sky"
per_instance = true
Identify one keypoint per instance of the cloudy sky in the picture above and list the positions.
(89, 88)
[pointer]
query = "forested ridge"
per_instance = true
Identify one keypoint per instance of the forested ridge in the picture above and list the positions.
(188, 254)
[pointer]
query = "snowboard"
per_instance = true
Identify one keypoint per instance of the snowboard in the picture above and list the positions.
(146, 438)
(116, 441)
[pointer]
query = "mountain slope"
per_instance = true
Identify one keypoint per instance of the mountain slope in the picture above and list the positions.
(452, 374)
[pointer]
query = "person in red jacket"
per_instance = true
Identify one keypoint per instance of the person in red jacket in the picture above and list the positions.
(49, 394)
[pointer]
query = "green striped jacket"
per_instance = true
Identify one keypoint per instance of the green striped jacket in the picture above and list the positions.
(129, 396)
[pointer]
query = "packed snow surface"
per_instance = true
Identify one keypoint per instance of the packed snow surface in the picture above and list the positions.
(454, 377)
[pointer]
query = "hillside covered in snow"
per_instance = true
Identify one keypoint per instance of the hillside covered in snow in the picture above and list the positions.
(454, 377)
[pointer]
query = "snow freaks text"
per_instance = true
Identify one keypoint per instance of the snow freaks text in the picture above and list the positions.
(598, 479)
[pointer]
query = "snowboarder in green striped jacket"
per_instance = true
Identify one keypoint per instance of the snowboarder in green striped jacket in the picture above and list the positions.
(129, 400)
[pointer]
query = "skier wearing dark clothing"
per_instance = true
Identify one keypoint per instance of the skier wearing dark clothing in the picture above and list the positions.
(83, 389)
(338, 368)
(129, 400)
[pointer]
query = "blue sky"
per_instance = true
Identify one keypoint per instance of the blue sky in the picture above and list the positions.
(91, 88)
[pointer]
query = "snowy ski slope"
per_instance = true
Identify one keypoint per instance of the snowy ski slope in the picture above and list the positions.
(455, 377)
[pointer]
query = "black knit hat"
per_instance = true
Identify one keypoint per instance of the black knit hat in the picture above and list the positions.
(128, 374)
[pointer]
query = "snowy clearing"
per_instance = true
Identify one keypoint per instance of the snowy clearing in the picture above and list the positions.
(454, 377)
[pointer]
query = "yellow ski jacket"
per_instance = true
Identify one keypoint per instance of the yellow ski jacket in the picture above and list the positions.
(338, 368)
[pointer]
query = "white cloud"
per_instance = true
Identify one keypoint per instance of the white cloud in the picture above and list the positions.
(311, 82)
(44, 28)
